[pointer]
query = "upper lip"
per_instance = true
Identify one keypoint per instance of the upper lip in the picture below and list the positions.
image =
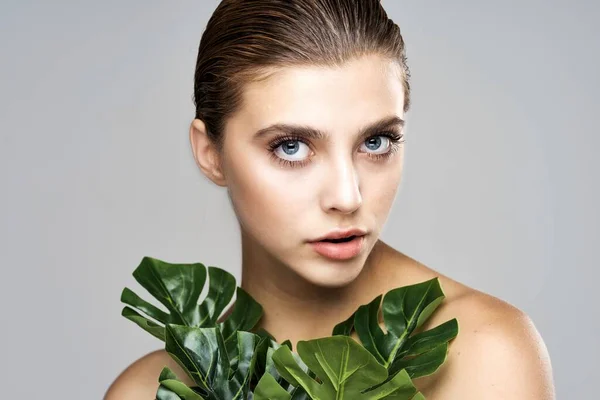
(341, 233)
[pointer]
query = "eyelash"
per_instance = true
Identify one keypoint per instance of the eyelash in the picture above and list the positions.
(395, 140)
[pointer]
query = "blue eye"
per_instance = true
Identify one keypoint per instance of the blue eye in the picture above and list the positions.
(291, 152)
(374, 143)
(292, 146)
(393, 139)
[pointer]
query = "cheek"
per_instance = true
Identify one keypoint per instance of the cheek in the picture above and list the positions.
(267, 201)
(380, 189)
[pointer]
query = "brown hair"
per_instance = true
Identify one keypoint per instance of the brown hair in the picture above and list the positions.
(248, 40)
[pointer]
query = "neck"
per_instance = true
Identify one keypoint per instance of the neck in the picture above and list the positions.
(296, 309)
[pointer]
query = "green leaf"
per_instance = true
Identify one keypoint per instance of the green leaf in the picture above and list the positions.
(298, 393)
(165, 394)
(366, 322)
(173, 389)
(265, 364)
(408, 307)
(424, 364)
(397, 386)
(404, 310)
(269, 389)
(345, 368)
(178, 288)
(227, 361)
(245, 315)
(202, 353)
(155, 329)
(424, 341)
(344, 327)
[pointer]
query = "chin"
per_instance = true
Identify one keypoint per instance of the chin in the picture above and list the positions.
(329, 274)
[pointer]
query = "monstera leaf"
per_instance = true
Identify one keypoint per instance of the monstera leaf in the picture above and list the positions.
(269, 389)
(345, 370)
(266, 366)
(227, 361)
(201, 352)
(171, 388)
(404, 310)
(178, 288)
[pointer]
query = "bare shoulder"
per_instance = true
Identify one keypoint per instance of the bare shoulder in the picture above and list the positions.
(497, 354)
(140, 379)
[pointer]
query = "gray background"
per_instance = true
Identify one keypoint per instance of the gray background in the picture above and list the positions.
(500, 188)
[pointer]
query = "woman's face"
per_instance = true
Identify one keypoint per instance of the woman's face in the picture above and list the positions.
(287, 190)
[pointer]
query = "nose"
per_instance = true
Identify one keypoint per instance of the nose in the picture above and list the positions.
(342, 187)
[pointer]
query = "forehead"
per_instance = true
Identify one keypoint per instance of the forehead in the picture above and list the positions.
(334, 99)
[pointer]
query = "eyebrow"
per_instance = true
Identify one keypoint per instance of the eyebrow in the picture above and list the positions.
(309, 132)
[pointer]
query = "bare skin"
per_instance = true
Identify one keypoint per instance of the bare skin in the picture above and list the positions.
(338, 182)
(475, 311)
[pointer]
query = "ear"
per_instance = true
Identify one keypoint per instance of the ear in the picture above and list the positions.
(205, 153)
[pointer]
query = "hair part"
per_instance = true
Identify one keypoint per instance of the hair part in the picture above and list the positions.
(249, 40)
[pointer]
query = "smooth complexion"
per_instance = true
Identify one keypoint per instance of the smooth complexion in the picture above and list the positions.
(289, 185)
(498, 354)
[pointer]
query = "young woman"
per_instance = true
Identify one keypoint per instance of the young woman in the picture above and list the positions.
(300, 110)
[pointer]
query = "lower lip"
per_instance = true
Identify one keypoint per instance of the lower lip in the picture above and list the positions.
(339, 251)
